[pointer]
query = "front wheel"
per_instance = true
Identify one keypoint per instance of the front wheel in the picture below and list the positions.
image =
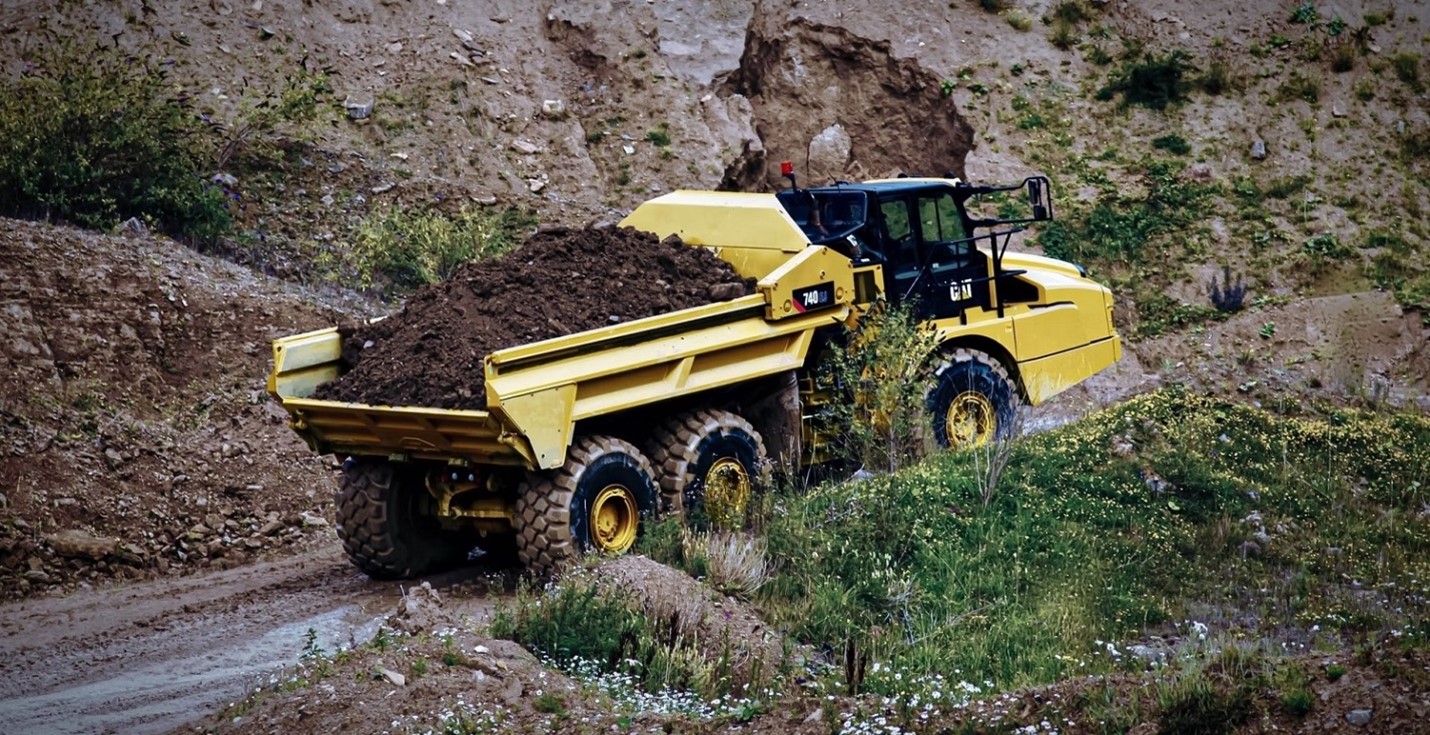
(973, 400)
(594, 502)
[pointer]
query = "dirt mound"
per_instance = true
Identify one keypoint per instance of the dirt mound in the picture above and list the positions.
(135, 434)
(559, 282)
(841, 105)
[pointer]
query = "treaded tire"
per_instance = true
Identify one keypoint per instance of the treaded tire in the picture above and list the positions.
(685, 448)
(383, 526)
(553, 508)
(966, 370)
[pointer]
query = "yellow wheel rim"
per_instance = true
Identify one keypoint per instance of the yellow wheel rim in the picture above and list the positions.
(971, 420)
(727, 492)
(615, 518)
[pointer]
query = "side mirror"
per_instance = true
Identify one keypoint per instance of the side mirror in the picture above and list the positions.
(1035, 199)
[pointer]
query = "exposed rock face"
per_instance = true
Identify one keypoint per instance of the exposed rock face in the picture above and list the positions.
(804, 77)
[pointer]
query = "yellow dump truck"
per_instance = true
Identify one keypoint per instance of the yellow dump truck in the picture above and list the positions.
(586, 435)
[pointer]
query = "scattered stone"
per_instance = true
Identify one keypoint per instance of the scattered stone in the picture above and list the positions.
(511, 692)
(460, 59)
(225, 178)
(383, 187)
(358, 110)
(525, 146)
(1337, 110)
(554, 109)
(491, 80)
(312, 520)
(485, 201)
(393, 676)
(36, 575)
(628, 149)
(815, 717)
(465, 36)
(78, 544)
(1258, 149)
(1359, 717)
(420, 610)
(535, 185)
(394, 47)
(270, 528)
(35, 563)
(4, 501)
(134, 227)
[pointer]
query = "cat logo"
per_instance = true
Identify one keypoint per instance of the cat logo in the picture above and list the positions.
(960, 291)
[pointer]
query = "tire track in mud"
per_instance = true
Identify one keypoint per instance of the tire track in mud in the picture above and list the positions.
(149, 657)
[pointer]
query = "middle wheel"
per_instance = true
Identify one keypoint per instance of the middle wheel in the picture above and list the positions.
(709, 463)
(595, 502)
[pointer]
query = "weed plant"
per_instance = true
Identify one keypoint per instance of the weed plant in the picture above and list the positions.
(396, 250)
(880, 375)
(1152, 81)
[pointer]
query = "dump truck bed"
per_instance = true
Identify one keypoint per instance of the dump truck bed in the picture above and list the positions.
(537, 392)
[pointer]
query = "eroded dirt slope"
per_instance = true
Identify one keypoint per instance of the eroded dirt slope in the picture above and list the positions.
(135, 434)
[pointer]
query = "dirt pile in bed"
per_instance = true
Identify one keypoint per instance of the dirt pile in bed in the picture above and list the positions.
(558, 282)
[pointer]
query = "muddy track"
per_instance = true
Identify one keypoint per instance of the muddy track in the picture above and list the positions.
(150, 657)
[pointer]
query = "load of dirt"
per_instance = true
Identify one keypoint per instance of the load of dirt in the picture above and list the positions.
(558, 282)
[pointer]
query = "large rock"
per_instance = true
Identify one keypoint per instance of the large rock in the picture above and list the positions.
(78, 544)
(828, 154)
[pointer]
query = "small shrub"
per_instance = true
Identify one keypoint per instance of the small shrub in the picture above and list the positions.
(1064, 35)
(1334, 672)
(94, 137)
(1227, 296)
(1373, 20)
(1173, 143)
(1288, 186)
(1218, 77)
(398, 250)
(1154, 82)
(1099, 56)
(1020, 21)
(1306, 14)
(1071, 12)
(1300, 86)
(1343, 57)
(1407, 69)
(995, 6)
(1298, 703)
(1031, 121)
(738, 564)
(1326, 246)
(548, 703)
(660, 136)
(879, 422)
(1200, 708)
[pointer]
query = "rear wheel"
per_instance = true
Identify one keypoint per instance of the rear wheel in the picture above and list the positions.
(973, 400)
(709, 463)
(594, 502)
(387, 522)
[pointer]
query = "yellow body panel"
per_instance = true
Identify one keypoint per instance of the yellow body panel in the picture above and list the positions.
(751, 232)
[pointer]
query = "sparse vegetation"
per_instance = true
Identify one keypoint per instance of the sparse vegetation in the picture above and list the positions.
(1305, 87)
(1407, 70)
(1153, 81)
(397, 250)
(1173, 143)
(94, 137)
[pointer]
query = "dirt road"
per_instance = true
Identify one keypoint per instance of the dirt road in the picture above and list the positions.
(150, 657)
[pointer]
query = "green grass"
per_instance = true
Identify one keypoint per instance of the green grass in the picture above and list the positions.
(1151, 81)
(1125, 229)
(1082, 546)
(397, 250)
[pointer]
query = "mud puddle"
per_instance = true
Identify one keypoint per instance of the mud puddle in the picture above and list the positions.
(150, 657)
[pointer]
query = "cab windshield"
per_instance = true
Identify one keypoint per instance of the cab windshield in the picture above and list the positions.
(826, 216)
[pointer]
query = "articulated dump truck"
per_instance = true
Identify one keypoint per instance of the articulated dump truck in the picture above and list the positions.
(586, 436)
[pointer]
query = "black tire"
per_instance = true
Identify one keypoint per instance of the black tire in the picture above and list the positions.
(387, 524)
(974, 385)
(697, 449)
(554, 509)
